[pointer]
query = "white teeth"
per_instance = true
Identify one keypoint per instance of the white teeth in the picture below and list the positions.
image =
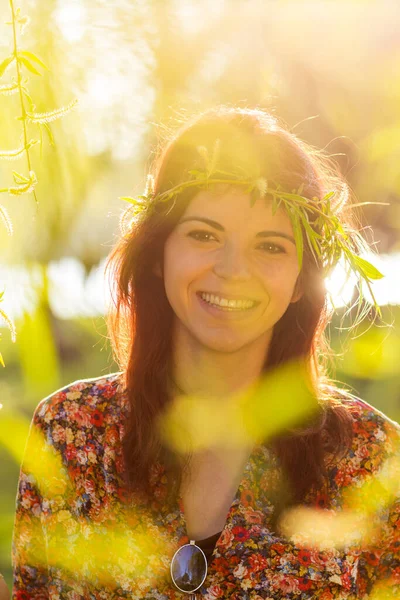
(228, 304)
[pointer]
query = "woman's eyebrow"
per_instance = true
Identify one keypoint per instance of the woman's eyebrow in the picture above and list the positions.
(219, 227)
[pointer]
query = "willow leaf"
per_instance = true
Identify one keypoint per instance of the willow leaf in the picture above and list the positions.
(312, 237)
(328, 196)
(32, 56)
(18, 178)
(129, 199)
(8, 225)
(49, 133)
(4, 64)
(368, 269)
(253, 197)
(28, 65)
(26, 187)
(298, 236)
(198, 175)
(296, 197)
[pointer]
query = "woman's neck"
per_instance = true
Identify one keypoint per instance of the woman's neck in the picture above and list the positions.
(201, 371)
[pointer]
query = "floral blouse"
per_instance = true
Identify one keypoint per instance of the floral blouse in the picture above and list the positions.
(78, 535)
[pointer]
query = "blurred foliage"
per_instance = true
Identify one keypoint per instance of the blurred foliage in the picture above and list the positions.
(134, 64)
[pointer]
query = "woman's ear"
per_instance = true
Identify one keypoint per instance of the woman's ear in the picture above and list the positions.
(298, 290)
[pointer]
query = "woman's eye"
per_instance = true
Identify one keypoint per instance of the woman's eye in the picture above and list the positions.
(272, 248)
(202, 236)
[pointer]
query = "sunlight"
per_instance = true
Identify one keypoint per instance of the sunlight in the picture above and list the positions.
(71, 19)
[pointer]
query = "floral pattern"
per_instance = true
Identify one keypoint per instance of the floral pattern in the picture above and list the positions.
(79, 535)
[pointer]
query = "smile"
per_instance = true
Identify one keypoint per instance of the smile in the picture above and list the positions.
(227, 304)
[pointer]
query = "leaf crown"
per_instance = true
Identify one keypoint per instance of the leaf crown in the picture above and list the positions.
(314, 221)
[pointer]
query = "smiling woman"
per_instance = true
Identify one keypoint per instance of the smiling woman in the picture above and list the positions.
(180, 474)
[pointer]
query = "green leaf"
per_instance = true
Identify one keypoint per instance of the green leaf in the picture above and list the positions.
(253, 197)
(49, 133)
(367, 269)
(29, 98)
(198, 174)
(298, 236)
(18, 178)
(128, 199)
(4, 217)
(294, 197)
(328, 196)
(312, 237)
(33, 57)
(28, 65)
(5, 63)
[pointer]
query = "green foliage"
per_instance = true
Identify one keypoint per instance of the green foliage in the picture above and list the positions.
(24, 184)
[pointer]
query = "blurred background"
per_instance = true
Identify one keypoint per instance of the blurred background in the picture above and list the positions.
(329, 69)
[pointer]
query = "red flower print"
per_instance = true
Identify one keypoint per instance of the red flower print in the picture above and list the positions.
(373, 558)
(305, 584)
(55, 399)
(222, 566)
(80, 416)
(21, 595)
(304, 557)
(225, 538)
(215, 592)
(285, 584)
(234, 560)
(112, 435)
(240, 533)
(278, 548)
(253, 516)
(326, 595)
(258, 562)
(97, 418)
(70, 452)
(247, 497)
(107, 391)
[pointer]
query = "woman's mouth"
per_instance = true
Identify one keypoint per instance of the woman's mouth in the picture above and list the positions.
(228, 304)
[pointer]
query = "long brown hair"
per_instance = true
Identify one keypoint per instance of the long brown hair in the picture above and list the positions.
(140, 323)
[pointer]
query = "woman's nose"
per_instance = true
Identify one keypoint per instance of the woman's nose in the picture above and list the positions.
(232, 264)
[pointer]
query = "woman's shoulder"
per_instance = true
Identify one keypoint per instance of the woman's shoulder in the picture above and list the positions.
(375, 436)
(83, 402)
(369, 420)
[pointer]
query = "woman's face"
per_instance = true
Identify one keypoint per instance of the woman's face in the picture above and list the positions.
(230, 270)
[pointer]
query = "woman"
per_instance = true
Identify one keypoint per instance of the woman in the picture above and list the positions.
(181, 474)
